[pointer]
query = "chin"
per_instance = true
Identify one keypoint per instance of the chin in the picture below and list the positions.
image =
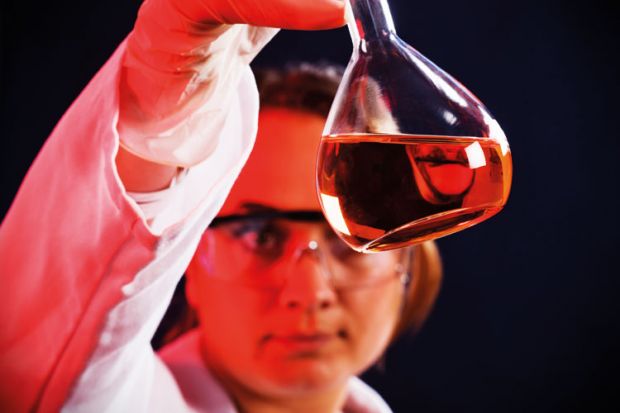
(304, 376)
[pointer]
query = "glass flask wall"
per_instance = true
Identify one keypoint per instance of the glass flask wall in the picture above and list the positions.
(408, 153)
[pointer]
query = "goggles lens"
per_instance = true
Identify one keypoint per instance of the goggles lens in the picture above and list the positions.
(265, 246)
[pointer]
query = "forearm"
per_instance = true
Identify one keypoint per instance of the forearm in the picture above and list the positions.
(178, 77)
(141, 175)
(179, 73)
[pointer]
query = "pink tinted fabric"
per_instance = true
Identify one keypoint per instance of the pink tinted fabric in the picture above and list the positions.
(69, 242)
(74, 245)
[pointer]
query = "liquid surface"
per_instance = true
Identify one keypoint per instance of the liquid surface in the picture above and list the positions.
(386, 191)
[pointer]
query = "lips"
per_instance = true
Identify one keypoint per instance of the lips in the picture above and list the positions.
(306, 342)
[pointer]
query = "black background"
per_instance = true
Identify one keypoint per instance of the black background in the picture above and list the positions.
(527, 320)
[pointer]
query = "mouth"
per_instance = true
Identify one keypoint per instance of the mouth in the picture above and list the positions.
(306, 343)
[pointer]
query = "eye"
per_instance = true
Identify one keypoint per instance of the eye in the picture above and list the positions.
(263, 238)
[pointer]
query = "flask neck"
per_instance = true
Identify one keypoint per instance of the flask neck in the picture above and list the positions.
(369, 20)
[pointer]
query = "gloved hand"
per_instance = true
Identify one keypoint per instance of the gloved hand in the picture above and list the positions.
(184, 60)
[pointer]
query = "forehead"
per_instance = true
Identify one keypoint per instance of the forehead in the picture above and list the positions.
(280, 172)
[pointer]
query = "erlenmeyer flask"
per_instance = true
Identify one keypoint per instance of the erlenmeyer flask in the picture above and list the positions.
(408, 154)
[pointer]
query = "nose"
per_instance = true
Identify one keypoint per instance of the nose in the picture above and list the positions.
(308, 285)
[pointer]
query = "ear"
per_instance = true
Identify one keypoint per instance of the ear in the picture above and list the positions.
(426, 275)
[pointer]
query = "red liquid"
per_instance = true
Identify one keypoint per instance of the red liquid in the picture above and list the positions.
(386, 191)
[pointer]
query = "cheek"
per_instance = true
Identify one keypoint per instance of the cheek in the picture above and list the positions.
(226, 309)
(232, 317)
(230, 321)
(372, 326)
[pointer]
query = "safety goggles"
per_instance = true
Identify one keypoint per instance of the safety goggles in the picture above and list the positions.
(264, 246)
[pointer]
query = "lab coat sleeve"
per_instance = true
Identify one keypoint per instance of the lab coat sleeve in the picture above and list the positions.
(87, 270)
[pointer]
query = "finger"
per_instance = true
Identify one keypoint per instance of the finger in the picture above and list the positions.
(286, 14)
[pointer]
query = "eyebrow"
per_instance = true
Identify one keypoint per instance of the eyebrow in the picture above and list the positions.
(262, 211)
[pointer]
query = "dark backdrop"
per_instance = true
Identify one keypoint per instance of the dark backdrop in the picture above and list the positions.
(527, 320)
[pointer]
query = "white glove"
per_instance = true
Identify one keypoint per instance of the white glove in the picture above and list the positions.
(183, 63)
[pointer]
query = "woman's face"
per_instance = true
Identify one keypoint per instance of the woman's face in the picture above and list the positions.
(271, 320)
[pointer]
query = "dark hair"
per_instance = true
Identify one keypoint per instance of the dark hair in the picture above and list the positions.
(304, 86)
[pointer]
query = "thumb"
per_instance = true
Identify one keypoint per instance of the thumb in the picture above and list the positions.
(286, 14)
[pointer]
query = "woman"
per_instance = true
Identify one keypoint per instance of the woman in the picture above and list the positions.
(283, 303)
(101, 231)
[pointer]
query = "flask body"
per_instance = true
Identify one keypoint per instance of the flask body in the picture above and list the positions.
(408, 154)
